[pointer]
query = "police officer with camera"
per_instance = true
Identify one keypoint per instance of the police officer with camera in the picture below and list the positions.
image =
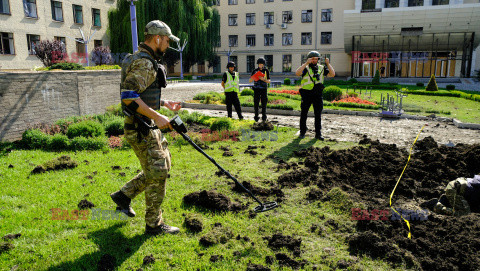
(311, 90)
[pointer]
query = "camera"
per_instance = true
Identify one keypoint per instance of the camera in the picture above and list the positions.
(317, 76)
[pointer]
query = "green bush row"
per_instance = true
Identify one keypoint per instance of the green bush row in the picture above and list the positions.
(352, 105)
(273, 106)
(35, 139)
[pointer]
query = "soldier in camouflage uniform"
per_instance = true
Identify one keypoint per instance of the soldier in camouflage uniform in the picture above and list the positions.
(142, 80)
(461, 197)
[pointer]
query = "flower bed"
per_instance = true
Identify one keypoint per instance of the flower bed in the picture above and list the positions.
(287, 91)
(354, 100)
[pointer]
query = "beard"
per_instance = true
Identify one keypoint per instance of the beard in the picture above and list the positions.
(159, 54)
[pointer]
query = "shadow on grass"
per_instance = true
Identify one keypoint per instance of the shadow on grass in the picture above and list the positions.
(109, 241)
(286, 152)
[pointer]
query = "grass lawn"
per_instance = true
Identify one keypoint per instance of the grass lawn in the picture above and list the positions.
(46, 244)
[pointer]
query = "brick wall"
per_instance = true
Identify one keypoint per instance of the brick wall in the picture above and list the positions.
(44, 97)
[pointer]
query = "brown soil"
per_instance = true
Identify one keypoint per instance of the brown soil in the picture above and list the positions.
(193, 222)
(259, 190)
(262, 126)
(4, 247)
(278, 241)
(59, 163)
(212, 201)
(218, 234)
(11, 236)
(216, 258)
(257, 267)
(149, 259)
(85, 204)
(284, 260)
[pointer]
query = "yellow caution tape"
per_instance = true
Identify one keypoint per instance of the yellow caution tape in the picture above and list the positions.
(399, 178)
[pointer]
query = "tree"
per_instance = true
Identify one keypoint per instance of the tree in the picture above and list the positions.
(376, 78)
(194, 20)
(50, 51)
(101, 55)
(432, 84)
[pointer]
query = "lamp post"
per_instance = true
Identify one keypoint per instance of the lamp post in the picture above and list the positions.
(229, 53)
(84, 41)
(180, 50)
(133, 24)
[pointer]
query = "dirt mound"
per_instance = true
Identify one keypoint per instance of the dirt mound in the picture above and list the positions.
(278, 241)
(284, 260)
(218, 234)
(284, 165)
(85, 204)
(212, 200)
(59, 163)
(251, 150)
(258, 190)
(106, 263)
(194, 223)
(11, 236)
(262, 126)
(4, 247)
(257, 267)
(149, 259)
(369, 174)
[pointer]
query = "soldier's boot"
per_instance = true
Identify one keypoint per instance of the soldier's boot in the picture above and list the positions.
(123, 203)
(161, 229)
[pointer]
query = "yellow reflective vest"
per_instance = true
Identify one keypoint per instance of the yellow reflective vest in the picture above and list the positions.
(232, 84)
(307, 82)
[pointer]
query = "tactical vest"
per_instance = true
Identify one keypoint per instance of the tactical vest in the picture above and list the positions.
(260, 83)
(232, 84)
(309, 81)
(152, 94)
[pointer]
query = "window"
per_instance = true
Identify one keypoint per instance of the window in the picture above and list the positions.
(307, 16)
(234, 59)
(219, 41)
(287, 39)
(287, 63)
(440, 2)
(250, 18)
(268, 38)
(307, 38)
(232, 19)
(287, 17)
(269, 62)
(327, 15)
(233, 40)
(250, 40)
(250, 1)
(77, 14)
(6, 44)
(96, 17)
(266, 1)
(201, 67)
(268, 17)
(4, 7)
(97, 43)
(415, 3)
(57, 12)
(250, 63)
(217, 2)
(233, 2)
(80, 47)
(62, 40)
(30, 8)
(32, 41)
(304, 58)
(326, 37)
(368, 4)
(392, 3)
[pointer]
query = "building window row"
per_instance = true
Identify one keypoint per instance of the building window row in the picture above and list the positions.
(286, 61)
(370, 4)
(287, 17)
(287, 39)
(30, 10)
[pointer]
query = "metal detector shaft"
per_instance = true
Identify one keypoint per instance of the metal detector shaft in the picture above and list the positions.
(187, 138)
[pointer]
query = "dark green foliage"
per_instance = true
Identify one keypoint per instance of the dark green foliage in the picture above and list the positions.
(88, 128)
(331, 93)
(58, 142)
(450, 87)
(114, 126)
(432, 84)
(92, 143)
(376, 78)
(66, 66)
(221, 124)
(352, 80)
(287, 81)
(420, 84)
(35, 139)
(247, 92)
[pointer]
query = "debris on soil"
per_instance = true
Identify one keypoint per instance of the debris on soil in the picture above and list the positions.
(257, 267)
(10, 166)
(269, 260)
(212, 200)
(227, 153)
(122, 174)
(284, 260)
(251, 150)
(216, 258)
(85, 204)
(116, 167)
(149, 259)
(315, 194)
(426, 144)
(275, 191)
(262, 126)
(284, 165)
(332, 223)
(11, 236)
(4, 247)
(218, 234)
(220, 173)
(224, 148)
(278, 241)
(106, 263)
(237, 253)
(59, 163)
(194, 223)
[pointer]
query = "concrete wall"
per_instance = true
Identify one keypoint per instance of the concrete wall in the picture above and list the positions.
(44, 97)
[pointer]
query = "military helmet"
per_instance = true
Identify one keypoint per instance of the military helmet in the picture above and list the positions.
(261, 61)
(230, 64)
(157, 27)
(313, 54)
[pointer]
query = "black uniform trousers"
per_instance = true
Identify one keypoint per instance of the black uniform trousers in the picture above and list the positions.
(260, 95)
(309, 98)
(231, 98)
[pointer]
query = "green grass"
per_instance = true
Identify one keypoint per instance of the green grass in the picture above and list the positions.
(46, 244)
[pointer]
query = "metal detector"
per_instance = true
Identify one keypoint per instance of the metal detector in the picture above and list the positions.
(180, 127)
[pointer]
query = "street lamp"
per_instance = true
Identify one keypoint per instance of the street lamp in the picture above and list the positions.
(84, 41)
(229, 53)
(133, 24)
(180, 50)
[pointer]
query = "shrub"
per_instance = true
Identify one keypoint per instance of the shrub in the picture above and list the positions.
(221, 124)
(104, 67)
(353, 94)
(58, 142)
(280, 106)
(188, 77)
(93, 143)
(35, 139)
(247, 92)
(115, 109)
(114, 126)
(67, 66)
(202, 96)
(50, 52)
(420, 84)
(432, 84)
(376, 78)
(352, 80)
(331, 93)
(86, 128)
(287, 81)
(101, 55)
(450, 87)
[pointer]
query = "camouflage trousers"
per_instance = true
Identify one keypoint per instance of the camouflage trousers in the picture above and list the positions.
(155, 160)
(454, 194)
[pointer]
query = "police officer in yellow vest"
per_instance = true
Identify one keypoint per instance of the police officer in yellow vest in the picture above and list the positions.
(230, 82)
(312, 89)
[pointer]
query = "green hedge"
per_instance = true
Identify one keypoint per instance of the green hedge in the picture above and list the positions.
(273, 106)
(247, 92)
(221, 124)
(331, 93)
(88, 128)
(66, 66)
(35, 139)
(92, 143)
